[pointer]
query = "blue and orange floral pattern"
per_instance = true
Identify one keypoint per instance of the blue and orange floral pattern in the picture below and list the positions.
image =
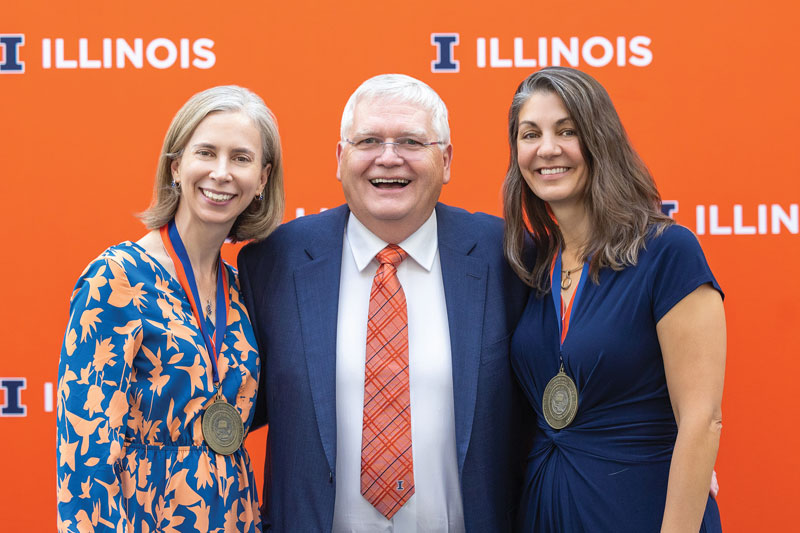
(134, 380)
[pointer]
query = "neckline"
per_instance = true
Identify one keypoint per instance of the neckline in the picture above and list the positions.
(564, 312)
(172, 280)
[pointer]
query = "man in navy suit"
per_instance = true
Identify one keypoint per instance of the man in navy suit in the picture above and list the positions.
(307, 288)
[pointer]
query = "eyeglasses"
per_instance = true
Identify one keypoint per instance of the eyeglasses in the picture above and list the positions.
(406, 147)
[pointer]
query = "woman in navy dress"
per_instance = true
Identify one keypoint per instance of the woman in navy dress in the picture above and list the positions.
(621, 350)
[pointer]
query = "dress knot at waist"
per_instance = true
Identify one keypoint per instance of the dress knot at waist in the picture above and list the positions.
(611, 443)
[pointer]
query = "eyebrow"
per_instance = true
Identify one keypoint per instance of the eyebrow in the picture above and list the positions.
(214, 147)
(405, 133)
(559, 122)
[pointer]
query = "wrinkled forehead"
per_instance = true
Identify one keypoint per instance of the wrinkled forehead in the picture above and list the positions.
(391, 116)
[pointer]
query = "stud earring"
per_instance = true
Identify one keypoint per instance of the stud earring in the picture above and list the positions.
(260, 195)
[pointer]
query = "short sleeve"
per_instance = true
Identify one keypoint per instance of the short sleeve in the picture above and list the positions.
(678, 267)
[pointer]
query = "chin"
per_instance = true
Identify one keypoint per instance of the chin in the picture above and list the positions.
(391, 211)
(390, 217)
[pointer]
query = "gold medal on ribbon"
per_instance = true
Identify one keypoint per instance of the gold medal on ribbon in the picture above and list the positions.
(560, 400)
(222, 425)
(223, 430)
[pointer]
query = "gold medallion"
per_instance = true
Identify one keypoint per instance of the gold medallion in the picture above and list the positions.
(223, 430)
(560, 400)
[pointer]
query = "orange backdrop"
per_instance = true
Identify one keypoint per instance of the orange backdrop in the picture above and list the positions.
(707, 91)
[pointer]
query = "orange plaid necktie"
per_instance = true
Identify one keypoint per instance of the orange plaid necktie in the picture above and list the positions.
(387, 468)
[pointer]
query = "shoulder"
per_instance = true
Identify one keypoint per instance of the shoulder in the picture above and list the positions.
(480, 226)
(676, 235)
(117, 267)
(674, 248)
(478, 235)
(307, 224)
(295, 236)
(676, 266)
(674, 239)
(125, 256)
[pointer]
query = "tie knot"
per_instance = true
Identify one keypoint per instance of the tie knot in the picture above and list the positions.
(391, 255)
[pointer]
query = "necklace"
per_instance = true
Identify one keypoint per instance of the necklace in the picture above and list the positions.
(566, 280)
(208, 301)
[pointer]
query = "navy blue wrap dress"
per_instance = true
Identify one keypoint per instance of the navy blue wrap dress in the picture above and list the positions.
(608, 469)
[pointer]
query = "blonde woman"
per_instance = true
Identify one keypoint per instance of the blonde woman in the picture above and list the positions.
(159, 369)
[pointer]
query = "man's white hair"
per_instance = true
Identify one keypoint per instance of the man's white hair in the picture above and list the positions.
(401, 88)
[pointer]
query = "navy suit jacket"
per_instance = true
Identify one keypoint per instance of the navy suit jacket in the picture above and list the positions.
(290, 284)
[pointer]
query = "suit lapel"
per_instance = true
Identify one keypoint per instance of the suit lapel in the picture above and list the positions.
(465, 280)
(317, 286)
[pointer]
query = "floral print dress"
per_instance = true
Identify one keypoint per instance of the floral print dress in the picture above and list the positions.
(134, 380)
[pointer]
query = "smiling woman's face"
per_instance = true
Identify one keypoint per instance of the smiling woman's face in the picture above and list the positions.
(549, 151)
(220, 170)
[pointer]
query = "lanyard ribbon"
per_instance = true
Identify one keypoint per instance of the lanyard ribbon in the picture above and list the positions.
(555, 290)
(183, 266)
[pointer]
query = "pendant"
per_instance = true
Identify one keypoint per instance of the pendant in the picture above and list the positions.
(566, 283)
(223, 430)
(560, 400)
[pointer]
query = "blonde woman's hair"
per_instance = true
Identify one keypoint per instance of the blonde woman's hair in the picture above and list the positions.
(261, 216)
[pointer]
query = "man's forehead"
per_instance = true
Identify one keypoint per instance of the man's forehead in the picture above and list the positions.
(391, 112)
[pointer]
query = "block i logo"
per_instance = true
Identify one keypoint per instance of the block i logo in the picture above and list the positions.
(669, 207)
(10, 44)
(445, 44)
(12, 404)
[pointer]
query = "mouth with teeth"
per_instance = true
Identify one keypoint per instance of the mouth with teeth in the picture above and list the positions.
(554, 170)
(389, 183)
(217, 196)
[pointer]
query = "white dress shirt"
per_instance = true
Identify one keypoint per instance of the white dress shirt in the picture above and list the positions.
(436, 504)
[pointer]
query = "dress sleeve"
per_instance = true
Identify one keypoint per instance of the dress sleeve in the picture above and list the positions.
(679, 267)
(103, 335)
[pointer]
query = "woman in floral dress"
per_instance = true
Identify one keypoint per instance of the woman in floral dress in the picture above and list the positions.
(159, 369)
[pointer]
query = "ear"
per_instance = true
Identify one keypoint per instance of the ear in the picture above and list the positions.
(175, 168)
(447, 156)
(339, 152)
(265, 176)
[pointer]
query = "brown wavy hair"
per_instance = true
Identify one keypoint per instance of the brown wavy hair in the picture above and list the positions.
(620, 196)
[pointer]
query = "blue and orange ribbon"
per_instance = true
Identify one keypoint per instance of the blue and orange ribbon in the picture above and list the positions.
(183, 267)
(555, 290)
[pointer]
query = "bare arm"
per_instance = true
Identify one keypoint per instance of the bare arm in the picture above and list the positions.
(692, 339)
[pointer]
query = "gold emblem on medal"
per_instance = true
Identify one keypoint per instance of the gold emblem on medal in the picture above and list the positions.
(223, 430)
(560, 401)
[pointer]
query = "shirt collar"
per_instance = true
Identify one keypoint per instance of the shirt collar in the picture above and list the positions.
(421, 245)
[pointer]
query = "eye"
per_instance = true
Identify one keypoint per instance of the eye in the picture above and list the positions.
(241, 158)
(528, 135)
(569, 133)
(408, 142)
(367, 142)
(202, 152)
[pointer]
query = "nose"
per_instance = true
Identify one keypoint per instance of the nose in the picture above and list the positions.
(549, 146)
(221, 170)
(389, 155)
